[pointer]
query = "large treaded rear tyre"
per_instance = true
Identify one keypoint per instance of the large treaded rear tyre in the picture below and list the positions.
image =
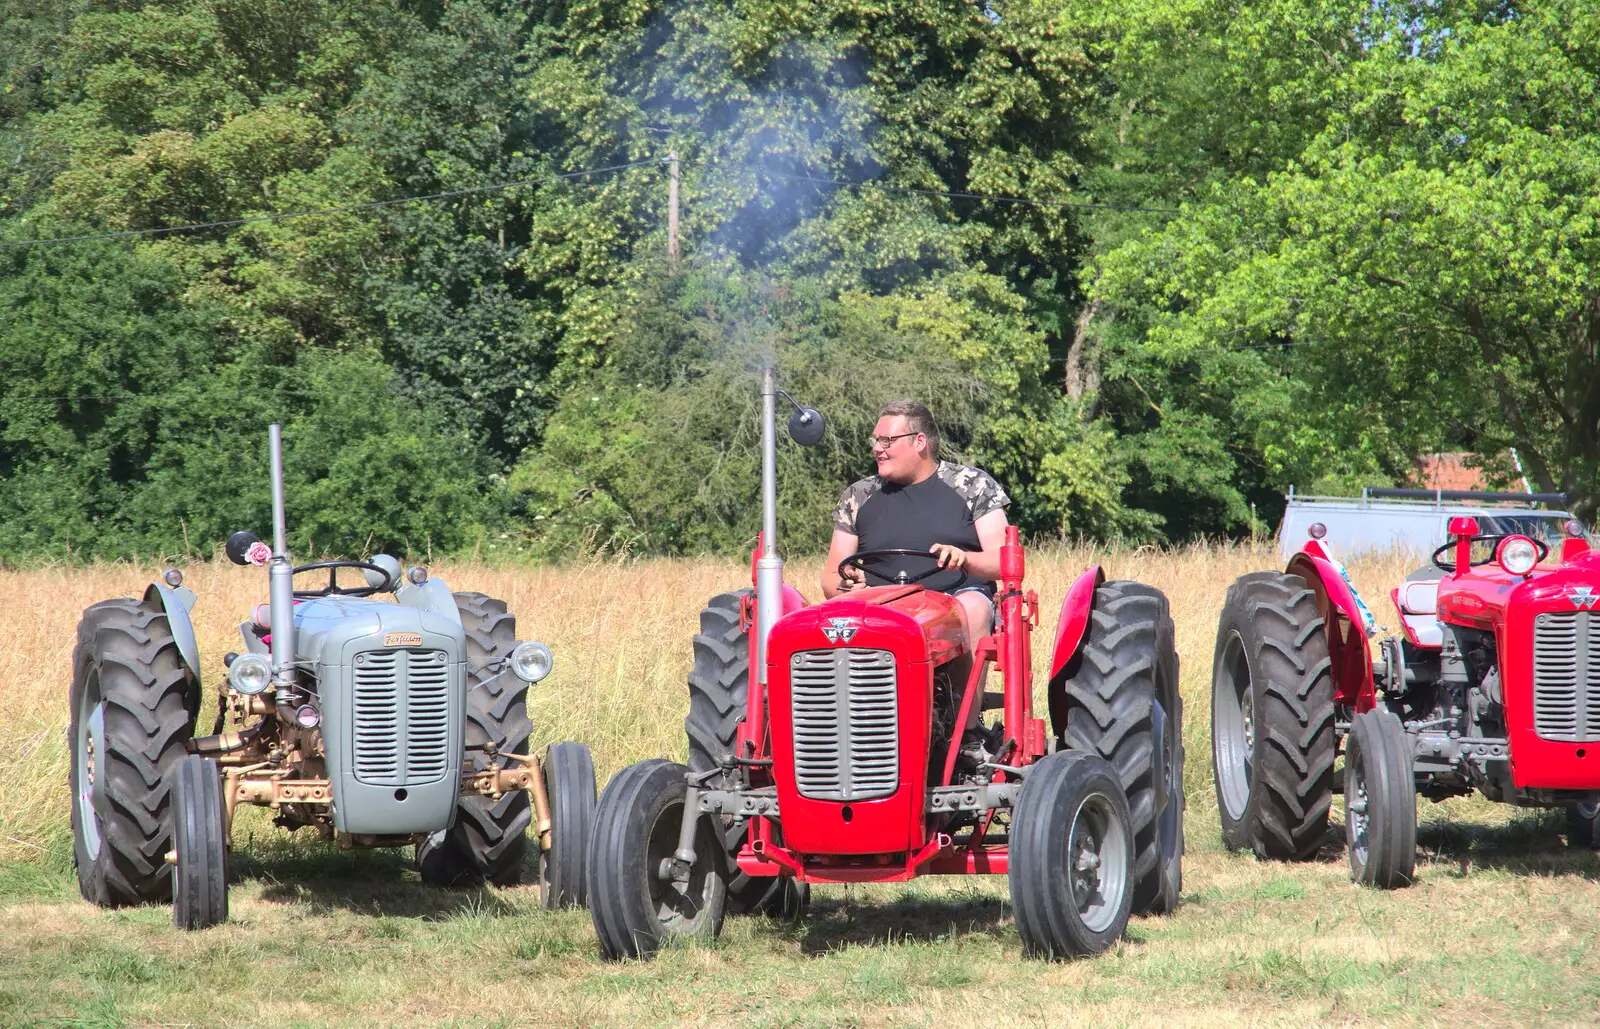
(636, 828)
(490, 837)
(718, 689)
(569, 784)
(200, 877)
(130, 717)
(1272, 718)
(1071, 850)
(1123, 705)
(1380, 800)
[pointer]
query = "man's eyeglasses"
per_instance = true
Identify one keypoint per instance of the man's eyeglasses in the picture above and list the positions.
(885, 442)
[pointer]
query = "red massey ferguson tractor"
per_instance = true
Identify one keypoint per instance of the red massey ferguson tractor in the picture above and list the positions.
(1493, 685)
(823, 747)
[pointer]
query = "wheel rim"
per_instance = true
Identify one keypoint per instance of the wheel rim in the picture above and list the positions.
(679, 907)
(1167, 827)
(545, 856)
(1356, 819)
(1097, 862)
(90, 746)
(1233, 731)
(1588, 810)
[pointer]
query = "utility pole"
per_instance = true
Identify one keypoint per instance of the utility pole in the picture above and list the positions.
(672, 210)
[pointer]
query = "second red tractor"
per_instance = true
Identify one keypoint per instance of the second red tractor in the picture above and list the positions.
(823, 747)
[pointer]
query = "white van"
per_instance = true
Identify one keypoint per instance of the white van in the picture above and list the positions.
(1415, 520)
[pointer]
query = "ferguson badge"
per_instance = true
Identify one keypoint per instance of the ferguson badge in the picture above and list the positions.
(841, 630)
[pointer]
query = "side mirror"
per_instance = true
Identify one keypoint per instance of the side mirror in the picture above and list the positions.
(806, 426)
(238, 546)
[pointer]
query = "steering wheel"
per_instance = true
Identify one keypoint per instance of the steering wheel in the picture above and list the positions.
(860, 557)
(1450, 566)
(333, 589)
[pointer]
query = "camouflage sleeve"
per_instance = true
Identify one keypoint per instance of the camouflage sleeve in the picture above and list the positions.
(978, 488)
(850, 501)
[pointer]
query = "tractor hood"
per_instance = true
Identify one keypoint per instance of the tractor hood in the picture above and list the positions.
(330, 620)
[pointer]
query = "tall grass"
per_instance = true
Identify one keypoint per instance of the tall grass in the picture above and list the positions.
(620, 628)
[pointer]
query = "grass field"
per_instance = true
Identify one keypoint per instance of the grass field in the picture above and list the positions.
(1499, 929)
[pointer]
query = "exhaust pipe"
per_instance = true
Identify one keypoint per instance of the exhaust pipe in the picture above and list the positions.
(280, 572)
(769, 566)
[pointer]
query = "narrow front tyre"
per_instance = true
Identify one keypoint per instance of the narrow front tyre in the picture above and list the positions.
(1380, 800)
(637, 898)
(200, 840)
(1071, 861)
(569, 788)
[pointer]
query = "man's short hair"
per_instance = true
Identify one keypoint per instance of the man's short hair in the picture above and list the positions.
(918, 417)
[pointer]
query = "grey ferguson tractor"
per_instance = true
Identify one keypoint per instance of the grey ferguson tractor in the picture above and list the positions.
(384, 714)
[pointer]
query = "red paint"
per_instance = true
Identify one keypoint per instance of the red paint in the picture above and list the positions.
(1074, 621)
(1347, 636)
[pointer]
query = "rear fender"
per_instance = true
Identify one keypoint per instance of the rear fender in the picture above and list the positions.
(1072, 627)
(432, 595)
(1348, 648)
(177, 602)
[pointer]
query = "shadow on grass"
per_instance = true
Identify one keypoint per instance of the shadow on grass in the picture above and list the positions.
(367, 882)
(1531, 843)
(839, 922)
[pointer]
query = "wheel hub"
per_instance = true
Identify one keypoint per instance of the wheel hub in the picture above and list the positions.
(91, 745)
(1356, 818)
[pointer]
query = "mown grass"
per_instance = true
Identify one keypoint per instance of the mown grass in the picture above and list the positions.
(1499, 929)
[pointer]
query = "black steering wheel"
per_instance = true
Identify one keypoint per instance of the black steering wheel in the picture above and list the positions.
(860, 557)
(333, 589)
(1450, 566)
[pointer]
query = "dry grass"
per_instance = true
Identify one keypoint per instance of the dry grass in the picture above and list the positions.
(1498, 929)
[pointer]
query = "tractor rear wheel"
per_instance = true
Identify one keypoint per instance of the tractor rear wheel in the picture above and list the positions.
(636, 827)
(1123, 704)
(1272, 731)
(1380, 801)
(130, 717)
(200, 837)
(490, 837)
(1071, 857)
(719, 684)
(569, 786)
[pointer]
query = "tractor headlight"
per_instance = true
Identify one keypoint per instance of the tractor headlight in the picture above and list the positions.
(1517, 555)
(250, 674)
(531, 661)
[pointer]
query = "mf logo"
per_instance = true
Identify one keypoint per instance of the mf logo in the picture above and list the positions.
(841, 630)
(1582, 597)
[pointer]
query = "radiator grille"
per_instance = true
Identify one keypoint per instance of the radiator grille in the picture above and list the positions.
(846, 726)
(402, 716)
(1566, 677)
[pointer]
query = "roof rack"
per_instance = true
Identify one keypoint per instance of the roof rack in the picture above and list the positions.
(1438, 497)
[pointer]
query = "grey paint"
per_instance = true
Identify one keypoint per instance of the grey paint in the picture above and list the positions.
(433, 596)
(177, 603)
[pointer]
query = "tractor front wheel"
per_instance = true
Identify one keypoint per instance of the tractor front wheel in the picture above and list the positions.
(636, 898)
(1071, 857)
(1380, 801)
(1583, 825)
(200, 837)
(1272, 732)
(569, 786)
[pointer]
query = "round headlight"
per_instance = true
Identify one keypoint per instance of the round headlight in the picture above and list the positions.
(531, 661)
(250, 674)
(1316, 530)
(1517, 555)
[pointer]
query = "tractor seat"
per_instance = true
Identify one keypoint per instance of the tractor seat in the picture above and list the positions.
(1418, 601)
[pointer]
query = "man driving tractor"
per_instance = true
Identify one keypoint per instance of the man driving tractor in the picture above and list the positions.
(918, 502)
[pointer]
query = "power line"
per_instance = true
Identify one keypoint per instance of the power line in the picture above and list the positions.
(997, 198)
(231, 223)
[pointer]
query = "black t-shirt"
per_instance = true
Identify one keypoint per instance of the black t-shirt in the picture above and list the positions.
(940, 509)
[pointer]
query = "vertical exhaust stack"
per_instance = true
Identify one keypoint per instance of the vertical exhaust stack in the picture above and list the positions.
(769, 566)
(280, 571)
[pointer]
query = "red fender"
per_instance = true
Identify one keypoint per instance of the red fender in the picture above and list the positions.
(1347, 637)
(1074, 621)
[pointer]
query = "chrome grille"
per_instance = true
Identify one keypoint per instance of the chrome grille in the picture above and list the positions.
(846, 723)
(401, 734)
(1566, 677)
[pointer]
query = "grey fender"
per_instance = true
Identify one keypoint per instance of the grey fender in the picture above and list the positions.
(433, 595)
(177, 602)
